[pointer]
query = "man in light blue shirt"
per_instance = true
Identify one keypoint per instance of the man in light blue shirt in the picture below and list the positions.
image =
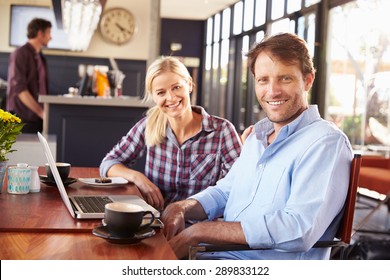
(288, 187)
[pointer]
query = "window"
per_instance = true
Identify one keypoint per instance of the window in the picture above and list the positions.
(277, 10)
(228, 88)
(260, 12)
(358, 89)
(248, 15)
(293, 6)
(238, 9)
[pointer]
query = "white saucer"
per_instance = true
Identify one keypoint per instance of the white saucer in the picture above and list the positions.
(114, 181)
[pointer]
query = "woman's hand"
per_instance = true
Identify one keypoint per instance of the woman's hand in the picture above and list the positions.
(246, 133)
(149, 191)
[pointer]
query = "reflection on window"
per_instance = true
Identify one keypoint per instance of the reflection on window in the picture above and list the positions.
(301, 27)
(245, 46)
(308, 3)
(277, 9)
(207, 76)
(280, 26)
(224, 76)
(308, 23)
(292, 26)
(260, 12)
(237, 24)
(311, 30)
(259, 36)
(215, 56)
(226, 23)
(248, 15)
(209, 31)
(358, 89)
(244, 81)
(225, 53)
(215, 79)
(217, 27)
(258, 113)
(208, 58)
(293, 6)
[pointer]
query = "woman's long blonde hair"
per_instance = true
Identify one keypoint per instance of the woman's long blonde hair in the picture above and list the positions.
(157, 121)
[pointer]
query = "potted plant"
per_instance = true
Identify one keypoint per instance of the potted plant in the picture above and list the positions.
(10, 127)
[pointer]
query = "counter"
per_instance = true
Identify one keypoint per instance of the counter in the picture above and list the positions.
(88, 127)
(28, 150)
(125, 101)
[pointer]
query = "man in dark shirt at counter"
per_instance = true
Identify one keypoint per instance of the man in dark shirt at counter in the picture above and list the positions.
(27, 76)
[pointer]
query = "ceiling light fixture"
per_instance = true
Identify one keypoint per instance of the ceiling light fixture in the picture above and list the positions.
(80, 19)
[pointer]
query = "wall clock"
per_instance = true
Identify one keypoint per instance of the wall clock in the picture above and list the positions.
(117, 25)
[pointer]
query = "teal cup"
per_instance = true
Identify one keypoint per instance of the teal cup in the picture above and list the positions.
(19, 179)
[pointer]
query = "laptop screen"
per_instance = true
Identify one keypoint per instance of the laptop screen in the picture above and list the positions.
(56, 174)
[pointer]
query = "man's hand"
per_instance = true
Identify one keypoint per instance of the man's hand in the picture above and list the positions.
(181, 243)
(213, 232)
(173, 219)
(29, 102)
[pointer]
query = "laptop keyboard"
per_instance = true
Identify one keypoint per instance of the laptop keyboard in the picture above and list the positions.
(92, 204)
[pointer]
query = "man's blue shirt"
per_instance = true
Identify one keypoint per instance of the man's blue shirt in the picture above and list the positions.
(287, 195)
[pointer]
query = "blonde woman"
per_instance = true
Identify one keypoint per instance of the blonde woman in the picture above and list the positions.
(186, 149)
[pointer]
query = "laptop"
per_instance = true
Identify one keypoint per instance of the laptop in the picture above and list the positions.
(77, 204)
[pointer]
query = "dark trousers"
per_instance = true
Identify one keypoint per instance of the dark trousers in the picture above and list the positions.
(33, 127)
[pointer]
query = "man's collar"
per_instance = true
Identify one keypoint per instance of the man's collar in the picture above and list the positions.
(265, 126)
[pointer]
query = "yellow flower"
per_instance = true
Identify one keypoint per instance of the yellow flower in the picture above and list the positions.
(10, 127)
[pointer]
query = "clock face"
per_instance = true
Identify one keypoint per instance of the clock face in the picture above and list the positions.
(117, 25)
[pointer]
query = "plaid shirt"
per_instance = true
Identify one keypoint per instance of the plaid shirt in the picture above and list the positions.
(181, 171)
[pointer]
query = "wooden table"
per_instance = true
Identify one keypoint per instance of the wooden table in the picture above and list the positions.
(38, 226)
(79, 246)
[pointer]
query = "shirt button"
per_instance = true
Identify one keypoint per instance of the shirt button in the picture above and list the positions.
(260, 166)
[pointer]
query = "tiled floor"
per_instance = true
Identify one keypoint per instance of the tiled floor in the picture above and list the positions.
(378, 219)
(372, 221)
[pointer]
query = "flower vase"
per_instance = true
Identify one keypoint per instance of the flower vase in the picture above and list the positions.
(3, 170)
